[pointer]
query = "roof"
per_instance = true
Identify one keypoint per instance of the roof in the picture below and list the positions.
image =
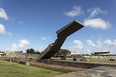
(100, 52)
(2, 51)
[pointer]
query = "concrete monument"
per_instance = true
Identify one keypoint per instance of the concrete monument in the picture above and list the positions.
(62, 34)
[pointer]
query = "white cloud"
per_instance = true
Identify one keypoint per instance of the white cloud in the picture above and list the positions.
(88, 50)
(90, 43)
(20, 22)
(15, 47)
(50, 37)
(76, 11)
(115, 41)
(20, 46)
(24, 42)
(103, 47)
(43, 38)
(3, 31)
(40, 48)
(3, 14)
(99, 44)
(97, 23)
(92, 36)
(110, 42)
(107, 42)
(78, 46)
(78, 42)
(9, 33)
(95, 11)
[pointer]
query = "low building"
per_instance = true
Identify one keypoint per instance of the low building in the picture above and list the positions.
(2, 53)
(74, 53)
(101, 53)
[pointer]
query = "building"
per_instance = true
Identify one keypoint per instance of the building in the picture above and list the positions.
(2, 53)
(74, 53)
(101, 53)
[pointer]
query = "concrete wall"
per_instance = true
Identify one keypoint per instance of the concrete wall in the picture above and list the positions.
(103, 57)
(75, 63)
(20, 55)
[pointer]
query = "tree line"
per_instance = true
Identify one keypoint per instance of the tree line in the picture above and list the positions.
(61, 52)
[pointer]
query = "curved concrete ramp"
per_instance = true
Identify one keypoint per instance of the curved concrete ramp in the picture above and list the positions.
(62, 34)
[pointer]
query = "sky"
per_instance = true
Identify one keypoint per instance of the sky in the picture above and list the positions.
(33, 24)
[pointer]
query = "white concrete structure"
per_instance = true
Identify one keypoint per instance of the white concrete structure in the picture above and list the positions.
(74, 53)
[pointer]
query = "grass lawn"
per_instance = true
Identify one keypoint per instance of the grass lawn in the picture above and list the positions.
(11, 69)
(100, 60)
(91, 60)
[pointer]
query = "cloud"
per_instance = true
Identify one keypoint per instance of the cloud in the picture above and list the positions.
(92, 36)
(43, 38)
(15, 47)
(110, 42)
(78, 42)
(99, 44)
(24, 42)
(3, 14)
(97, 23)
(50, 37)
(88, 50)
(102, 46)
(78, 46)
(90, 43)
(3, 31)
(95, 11)
(76, 11)
(20, 46)
(9, 33)
(20, 22)
(40, 48)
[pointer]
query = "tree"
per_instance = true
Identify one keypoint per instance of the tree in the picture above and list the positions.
(37, 52)
(19, 51)
(63, 52)
(30, 51)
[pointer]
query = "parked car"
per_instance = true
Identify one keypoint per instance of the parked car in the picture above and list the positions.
(111, 59)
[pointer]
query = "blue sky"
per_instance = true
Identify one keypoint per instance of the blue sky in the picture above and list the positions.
(33, 24)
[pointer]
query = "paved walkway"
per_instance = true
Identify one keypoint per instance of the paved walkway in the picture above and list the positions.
(102, 71)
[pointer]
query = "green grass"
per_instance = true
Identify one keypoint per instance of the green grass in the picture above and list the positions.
(100, 60)
(11, 69)
(91, 60)
(51, 68)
